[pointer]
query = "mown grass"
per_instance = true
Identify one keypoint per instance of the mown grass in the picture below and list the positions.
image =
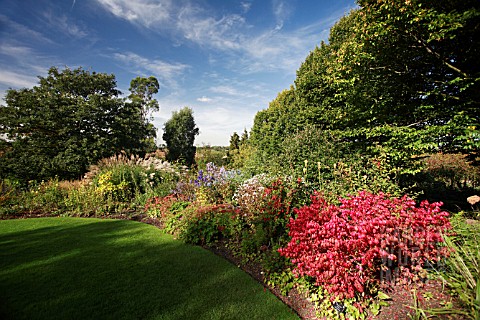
(73, 268)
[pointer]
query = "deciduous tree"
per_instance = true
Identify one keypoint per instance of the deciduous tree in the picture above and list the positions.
(397, 78)
(70, 120)
(179, 134)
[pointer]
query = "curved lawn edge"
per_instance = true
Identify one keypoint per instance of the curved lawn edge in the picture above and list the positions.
(77, 268)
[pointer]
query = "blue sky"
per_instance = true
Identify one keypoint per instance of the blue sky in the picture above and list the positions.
(225, 59)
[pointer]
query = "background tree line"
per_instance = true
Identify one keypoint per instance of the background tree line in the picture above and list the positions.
(74, 118)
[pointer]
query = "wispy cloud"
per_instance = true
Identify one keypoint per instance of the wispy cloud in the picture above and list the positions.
(63, 24)
(142, 12)
(20, 65)
(226, 90)
(15, 50)
(245, 6)
(19, 31)
(279, 51)
(17, 80)
(281, 11)
(252, 49)
(208, 31)
(166, 73)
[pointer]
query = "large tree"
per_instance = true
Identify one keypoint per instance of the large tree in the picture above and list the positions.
(399, 78)
(142, 91)
(141, 137)
(70, 120)
(179, 134)
(437, 50)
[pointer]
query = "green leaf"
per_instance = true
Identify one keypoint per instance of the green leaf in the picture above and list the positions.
(383, 296)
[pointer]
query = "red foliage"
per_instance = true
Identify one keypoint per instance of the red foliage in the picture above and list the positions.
(161, 204)
(344, 247)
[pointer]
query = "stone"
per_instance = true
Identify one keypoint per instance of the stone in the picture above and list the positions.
(473, 199)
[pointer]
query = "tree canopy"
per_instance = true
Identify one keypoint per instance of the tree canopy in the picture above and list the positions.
(400, 78)
(234, 141)
(179, 134)
(70, 120)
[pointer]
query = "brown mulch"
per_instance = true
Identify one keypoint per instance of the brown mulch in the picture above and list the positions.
(431, 295)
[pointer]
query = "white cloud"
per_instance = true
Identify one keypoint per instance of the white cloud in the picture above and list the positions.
(14, 50)
(216, 123)
(142, 12)
(278, 51)
(165, 72)
(20, 65)
(238, 90)
(208, 31)
(248, 49)
(187, 19)
(204, 99)
(245, 6)
(17, 80)
(281, 11)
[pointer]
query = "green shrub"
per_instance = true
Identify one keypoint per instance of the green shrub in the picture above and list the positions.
(10, 193)
(126, 184)
(453, 170)
(208, 154)
(45, 197)
(84, 200)
(166, 208)
(449, 178)
(329, 166)
(207, 224)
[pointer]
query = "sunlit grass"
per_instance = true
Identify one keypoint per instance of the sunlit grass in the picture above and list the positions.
(72, 268)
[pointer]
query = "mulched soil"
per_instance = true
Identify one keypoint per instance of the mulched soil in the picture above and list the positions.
(431, 295)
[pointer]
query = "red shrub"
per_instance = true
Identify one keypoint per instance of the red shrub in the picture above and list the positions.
(344, 247)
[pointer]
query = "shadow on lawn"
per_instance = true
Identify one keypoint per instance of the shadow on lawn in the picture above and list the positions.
(64, 268)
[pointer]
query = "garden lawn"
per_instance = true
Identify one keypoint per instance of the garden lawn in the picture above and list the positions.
(73, 268)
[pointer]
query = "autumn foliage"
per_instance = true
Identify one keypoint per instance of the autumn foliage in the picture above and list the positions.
(345, 248)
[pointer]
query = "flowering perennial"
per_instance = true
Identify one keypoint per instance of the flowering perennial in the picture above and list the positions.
(213, 175)
(345, 247)
(249, 196)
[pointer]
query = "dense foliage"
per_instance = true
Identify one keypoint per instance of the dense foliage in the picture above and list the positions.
(387, 108)
(179, 134)
(344, 247)
(396, 78)
(72, 119)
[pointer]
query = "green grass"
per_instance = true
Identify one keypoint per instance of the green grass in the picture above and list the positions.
(73, 268)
